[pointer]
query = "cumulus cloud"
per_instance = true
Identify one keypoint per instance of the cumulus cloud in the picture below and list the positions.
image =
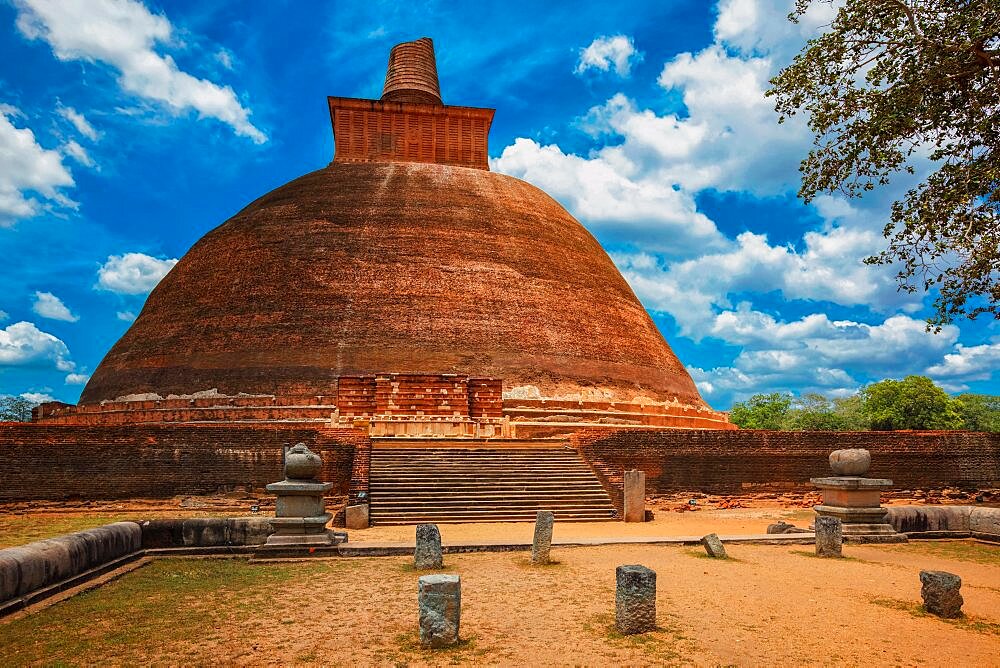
(49, 306)
(23, 344)
(815, 353)
(132, 273)
(77, 378)
(37, 397)
(28, 171)
(124, 34)
(968, 363)
(602, 194)
(126, 316)
(79, 121)
(604, 53)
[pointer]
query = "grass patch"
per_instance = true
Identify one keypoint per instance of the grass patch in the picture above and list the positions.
(408, 567)
(806, 553)
(169, 601)
(21, 529)
(959, 550)
(965, 622)
(698, 553)
(663, 643)
(406, 649)
(525, 562)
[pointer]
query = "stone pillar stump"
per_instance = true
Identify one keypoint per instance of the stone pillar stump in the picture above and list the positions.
(635, 599)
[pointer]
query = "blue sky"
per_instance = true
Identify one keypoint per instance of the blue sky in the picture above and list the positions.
(128, 129)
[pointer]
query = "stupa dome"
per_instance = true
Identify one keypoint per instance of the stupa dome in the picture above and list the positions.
(404, 255)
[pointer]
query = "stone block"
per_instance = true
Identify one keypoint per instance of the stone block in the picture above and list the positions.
(635, 496)
(356, 517)
(248, 530)
(428, 552)
(850, 462)
(204, 532)
(635, 599)
(829, 537)
(46, 562)
(985, 523)
(542, 542)
(940, 591)
(439, 598)
(923, 519)
(714, 547)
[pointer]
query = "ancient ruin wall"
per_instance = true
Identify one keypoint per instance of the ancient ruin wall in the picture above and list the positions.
(159, 461)
(747, 461)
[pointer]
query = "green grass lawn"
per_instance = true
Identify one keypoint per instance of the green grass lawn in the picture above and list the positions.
(167, 602)
(21, 529)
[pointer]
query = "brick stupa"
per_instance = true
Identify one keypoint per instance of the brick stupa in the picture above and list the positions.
(403, 282)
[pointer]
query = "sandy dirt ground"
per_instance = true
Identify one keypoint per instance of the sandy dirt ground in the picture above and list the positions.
(768, 605)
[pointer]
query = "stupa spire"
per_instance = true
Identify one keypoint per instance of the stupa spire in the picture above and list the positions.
(412, 74)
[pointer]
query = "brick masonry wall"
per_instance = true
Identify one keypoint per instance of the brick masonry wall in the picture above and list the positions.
(746, 461)
(158, 461)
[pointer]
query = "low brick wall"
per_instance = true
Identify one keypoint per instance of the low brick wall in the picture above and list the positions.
(746, 461)
(40, 461)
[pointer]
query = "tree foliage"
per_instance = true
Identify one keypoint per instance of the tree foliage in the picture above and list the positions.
(15, 409)
(912, 403)
(893, 82)
(762, 411)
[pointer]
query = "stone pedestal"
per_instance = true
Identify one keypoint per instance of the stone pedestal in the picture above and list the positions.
(300, 516)
(635, 599)
(856, 500)
(635, 496)
(439, 598)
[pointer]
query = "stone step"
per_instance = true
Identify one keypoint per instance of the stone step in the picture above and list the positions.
(460, 484)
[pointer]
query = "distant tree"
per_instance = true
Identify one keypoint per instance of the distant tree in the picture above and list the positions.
(848, 411)
(761, 411)
(912, 403)
(891, 81)
(15, 409)
(816, 412)
(979, 412)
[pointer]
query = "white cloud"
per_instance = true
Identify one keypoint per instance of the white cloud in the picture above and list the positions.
(968, 363)
(617, 51)
(49, 306)
(123, 34)
(26, 168)
(79, 121)
(127, 316)
(3, 316)
(77, 378)
(600, 193)
(132, 273)
(23, 344)
(225, 58)
(78, 153)
(37, 397)
(815, 353)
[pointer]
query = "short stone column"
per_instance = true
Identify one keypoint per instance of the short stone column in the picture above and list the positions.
(635, 599)
(439, 598)
(635, 496)
(428, 553)
(356, 517)
(829, 537)
(300, 515)
(941, 593)
(542, 543)
(714, 547)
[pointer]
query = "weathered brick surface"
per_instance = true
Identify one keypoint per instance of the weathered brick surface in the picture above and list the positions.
(157, 461)
(726, 462)
(359, 269)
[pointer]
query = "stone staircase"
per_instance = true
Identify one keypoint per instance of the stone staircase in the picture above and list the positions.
(464, 480)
